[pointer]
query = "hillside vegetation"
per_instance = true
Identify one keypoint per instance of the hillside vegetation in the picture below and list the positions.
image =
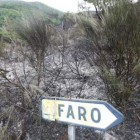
(14, 10)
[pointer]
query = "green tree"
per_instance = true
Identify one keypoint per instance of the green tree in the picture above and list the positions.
(38, 35)
(115, 40)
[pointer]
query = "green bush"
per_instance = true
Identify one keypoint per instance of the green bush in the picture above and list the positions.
(115, 38)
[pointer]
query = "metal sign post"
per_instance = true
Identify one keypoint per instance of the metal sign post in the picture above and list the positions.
(71, 132)
(99, 115)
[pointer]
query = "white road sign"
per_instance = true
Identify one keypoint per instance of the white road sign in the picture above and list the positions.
(96, 114)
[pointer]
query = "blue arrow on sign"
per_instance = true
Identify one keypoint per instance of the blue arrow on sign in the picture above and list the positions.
(99, 115)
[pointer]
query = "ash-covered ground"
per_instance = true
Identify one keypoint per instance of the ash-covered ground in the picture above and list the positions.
(65, 73)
